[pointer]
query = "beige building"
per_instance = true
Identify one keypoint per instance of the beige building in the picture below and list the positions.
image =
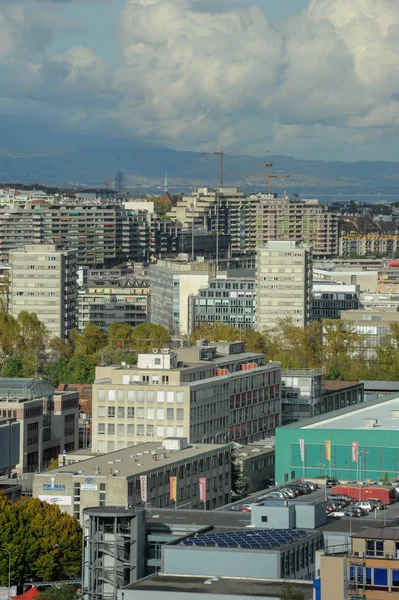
(43, 281)
(115, 479)
(284, 280)
(172, 282)
(210, 394)
(372, 325)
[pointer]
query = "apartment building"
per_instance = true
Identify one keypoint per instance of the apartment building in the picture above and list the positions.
(284, 280)
(48, 422)
(299, 221)
(171, 284)
(232, 301)
(44, 281)
(368, 569)
(209, 394)
(140, 477)
(103, 301)
(372, 325)
(363, 236)
(331, 299)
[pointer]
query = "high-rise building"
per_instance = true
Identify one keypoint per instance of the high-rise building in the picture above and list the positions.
(171, 284)
(43, 281)
(284, 280)
(209, 394)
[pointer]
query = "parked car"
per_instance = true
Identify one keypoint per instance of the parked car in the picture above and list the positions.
(290, 492)
(353, 512)
(275, 496)
(365, 505)
(313, 486)
(337, 513)
(378, 505)
(331, 482)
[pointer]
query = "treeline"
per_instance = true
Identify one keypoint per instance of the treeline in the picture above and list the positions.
(26, 349)
(333, 345)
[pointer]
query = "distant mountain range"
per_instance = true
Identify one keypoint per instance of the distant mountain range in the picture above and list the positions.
(35, 152)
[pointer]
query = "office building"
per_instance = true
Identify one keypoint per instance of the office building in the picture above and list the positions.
(43, 281)
(209, 394)
(363, 444)
(231, 301)
(116, 479)
(284, 282)
(48, 422)
(255, 463)
(172, 282)
(368, 569)
(9, 444)
(113, 300)
(373, 326)
(363, 236)
(331, 299)
(304, 221)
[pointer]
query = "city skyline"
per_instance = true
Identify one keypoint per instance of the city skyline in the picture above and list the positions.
(305, 78)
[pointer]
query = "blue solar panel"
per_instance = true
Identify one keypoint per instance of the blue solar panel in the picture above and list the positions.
(255, 538)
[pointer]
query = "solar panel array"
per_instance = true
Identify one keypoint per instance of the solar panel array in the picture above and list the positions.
(255, 538)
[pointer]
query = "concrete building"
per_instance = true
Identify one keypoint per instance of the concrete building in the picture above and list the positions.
(48, 423)
(232, 301)
(363, 444)
(171, 284)
(208, 393)
(363, 236)
(283, 284)
(9, 444)
(43, 281)
(330, 299)
(116, 300)
(372, 325)
(256, 463)
(368, 569)
(140, 476)
(339, 394)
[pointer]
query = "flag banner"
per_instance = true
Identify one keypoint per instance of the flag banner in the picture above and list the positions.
(143, 487)
(328, 450)
(173, 489)
(302, 448)
(355, 452)
(202, 489)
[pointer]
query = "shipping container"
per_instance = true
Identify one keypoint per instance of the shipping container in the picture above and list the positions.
(386, 494)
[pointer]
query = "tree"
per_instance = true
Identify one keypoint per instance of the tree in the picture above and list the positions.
(120, 336)
(61, 592)
(239, 484)
(12, 367)
(53, 464)
(82, 368)
(290, 593)
(147, 336)
(89, 341)
(45, 544)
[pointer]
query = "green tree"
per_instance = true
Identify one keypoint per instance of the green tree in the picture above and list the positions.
(33, 333)
(45, 544)
(60, 349)
(10, 331)
(61, 592)
(239, 484)
(12, 367)
(120, 336)
(82, 368)
(53, 464)
(57, 371)
(147, 336)
(89, 341)
(290, 593)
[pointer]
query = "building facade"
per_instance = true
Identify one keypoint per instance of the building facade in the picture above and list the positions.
(43, 281)
(140, 477)
(105, 301)
(329, 300)
(284, 280)
(9, 444)
(231, 301)
(302, 394)
(208, 394)
(365, 236)
(373, 327)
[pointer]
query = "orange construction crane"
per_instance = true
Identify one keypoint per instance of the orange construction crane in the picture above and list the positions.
(222, 154)
(269, 176)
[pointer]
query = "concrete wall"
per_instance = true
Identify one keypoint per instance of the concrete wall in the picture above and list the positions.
(9, 445)
(333, 577)
(278, 517)
(185, 560)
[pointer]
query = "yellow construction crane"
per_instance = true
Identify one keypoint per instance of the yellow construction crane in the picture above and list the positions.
(268, 165)
(222, 154)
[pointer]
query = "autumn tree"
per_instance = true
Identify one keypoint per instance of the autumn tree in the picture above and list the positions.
(120, 336)
(45, 544)
(291, 593)
(89, 341)
(147, 336)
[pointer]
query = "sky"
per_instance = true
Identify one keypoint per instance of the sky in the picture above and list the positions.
(315, 79)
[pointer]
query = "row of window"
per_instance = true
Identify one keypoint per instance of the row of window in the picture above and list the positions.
(139, 430)
(141, 413)
(140, 395)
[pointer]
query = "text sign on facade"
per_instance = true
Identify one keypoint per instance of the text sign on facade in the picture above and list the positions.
(59, 500)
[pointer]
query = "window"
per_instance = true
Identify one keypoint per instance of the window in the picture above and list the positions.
(180, 414)
(121, 429)
(111, 428)
(381, 577)
(130, 429)
(101, 411)
(170, 413)
(179, 431)
(170, 396)
(101, 395)
(374, 548)
(111, 411)
(101, 428)
(140, 413)
(140, 429)
(110, 446)
(150, 429)
(140, 396)
(180, 397)
(150, 396)
(150, 413)
(121, 395)
(170, 431)
(111, 395)
(121, 412)
(102, 494)
(395, 578)
(160, 396)
(264, 519)
(157, 361)
(130, 396)
(160, 414)
(160, 431)
(126, 379)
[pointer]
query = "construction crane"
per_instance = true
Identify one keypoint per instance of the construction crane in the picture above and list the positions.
(108, 181)
(222, 154)
(268, 165)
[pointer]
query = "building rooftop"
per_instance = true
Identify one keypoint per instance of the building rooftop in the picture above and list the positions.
(335, 386)
(24, 388)
(379, 533)
(352, 417)
(267, 588)
(251, 450)
(134, 460)
(248, 539)
(380, 386)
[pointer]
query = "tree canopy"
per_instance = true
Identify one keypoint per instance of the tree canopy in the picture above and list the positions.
(61, 592)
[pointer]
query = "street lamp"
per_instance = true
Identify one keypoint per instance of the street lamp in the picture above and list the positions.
(9, 570)
(40, 445)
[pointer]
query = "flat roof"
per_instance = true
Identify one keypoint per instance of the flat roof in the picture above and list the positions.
(380, 386)
(379, 533)
(134, 460)
(356, 418)
(268, 588)
(218, 519)
(335, 386)
(252, 451)
(351, 417)
(359, 527)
